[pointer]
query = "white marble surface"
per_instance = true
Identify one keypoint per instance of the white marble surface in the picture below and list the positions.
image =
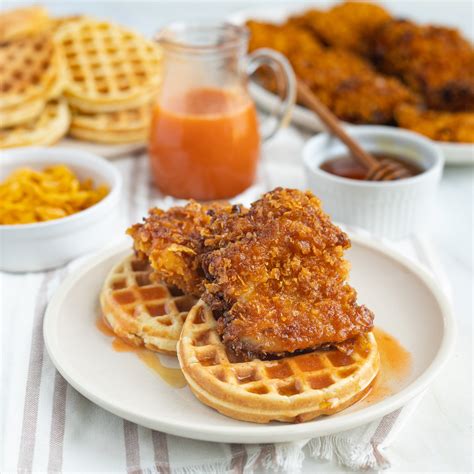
(439, 436)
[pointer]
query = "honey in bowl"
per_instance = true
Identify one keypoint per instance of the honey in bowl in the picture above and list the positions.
(349, 167)
(204, 144)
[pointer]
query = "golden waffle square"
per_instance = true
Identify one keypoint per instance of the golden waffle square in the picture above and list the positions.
(293, 389)
(143, 312)
(51, 125)
(109, 67)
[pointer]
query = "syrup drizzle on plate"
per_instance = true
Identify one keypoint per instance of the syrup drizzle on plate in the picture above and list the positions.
(173, 377)
(395, 363)
(395, 367)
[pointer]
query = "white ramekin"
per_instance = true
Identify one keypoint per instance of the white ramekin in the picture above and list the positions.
(46, 245)
(392, 209)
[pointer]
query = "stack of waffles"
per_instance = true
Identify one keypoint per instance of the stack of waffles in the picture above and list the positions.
(92, 79)
(148, 313)
(113, 76)
(32, 111)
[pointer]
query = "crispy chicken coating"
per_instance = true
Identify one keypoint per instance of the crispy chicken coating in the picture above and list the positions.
(274, 274)
(437, 125)
(348, 85)
(172, 241)
(345, 82)
(369, 68)
(434, 61)
(277, 277)
(285, 38)
(349, 25)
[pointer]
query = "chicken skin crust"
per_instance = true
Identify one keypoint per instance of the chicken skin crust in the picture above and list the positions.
(277, 278)
(437, 125)
(436, 62)
(172, 242)
(350, 25)
(349, 86)
(344, 81)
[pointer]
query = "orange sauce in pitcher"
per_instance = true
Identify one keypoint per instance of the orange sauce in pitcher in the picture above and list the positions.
(204, 144)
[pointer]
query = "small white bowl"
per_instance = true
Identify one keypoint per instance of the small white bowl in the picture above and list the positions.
(45, 245)
(392, 209)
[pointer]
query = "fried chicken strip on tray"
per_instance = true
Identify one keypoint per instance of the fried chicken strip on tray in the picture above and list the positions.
(437, 124)
(344, 81)
(349, 25)
(435, 61)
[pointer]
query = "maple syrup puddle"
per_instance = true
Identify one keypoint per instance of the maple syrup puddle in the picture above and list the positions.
(173, 377)
(395, 367)
(395, 363)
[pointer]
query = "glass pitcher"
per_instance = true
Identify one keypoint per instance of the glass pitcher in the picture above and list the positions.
(205, 137)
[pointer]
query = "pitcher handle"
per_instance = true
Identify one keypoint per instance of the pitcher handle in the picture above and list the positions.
(286, 85)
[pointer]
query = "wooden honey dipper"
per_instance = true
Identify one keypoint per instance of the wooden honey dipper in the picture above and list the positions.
(383, 170)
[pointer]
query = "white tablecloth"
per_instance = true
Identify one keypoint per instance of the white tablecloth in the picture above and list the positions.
(49, 426)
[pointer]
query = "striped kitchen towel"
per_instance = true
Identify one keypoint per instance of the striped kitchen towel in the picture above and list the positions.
(48, 426)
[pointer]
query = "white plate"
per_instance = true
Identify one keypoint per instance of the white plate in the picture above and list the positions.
(407, 304)
(454, 153)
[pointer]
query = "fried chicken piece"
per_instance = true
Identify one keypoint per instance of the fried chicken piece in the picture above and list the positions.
(348, 85)
(345, 82)
(277, 278)
(437, 125)
(350, 25)
(172, 241)
(286, 38)
(434, 61)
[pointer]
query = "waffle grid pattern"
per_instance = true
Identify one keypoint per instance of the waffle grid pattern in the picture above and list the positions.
(26, 67)
(33, 73)
(141, 311)
(108, 64)
(288, 389)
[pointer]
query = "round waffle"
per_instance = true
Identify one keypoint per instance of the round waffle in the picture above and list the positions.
(142, 312)
(28, 111)
(109, 67)
(31, 109)
(124, 126)
(114, 137)
(51, 125)
(292, 389)
(30, 69)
